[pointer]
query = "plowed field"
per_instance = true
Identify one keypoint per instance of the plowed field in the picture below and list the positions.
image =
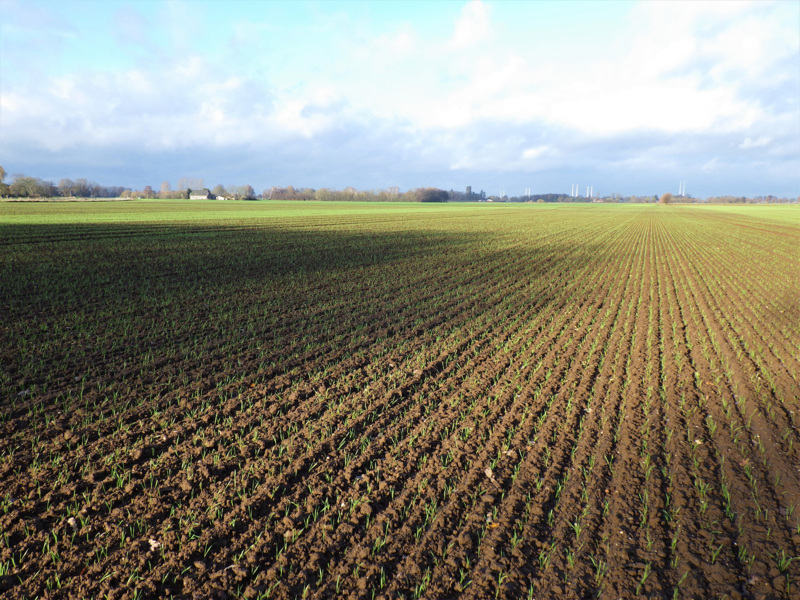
(301, 400)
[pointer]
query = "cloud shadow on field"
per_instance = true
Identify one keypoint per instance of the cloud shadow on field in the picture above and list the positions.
(145, 302)
(77, 263)
(88, 269)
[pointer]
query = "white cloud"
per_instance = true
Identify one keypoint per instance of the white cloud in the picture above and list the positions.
(758, 143)
(291, 117)
(398, 43)
(710, 166)
(482, 99)
(677, 75)
(536, 152)
(472, 26)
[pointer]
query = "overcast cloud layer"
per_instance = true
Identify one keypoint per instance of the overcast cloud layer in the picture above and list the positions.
(628, 97)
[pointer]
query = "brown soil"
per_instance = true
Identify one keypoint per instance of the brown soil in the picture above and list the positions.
(509, 404)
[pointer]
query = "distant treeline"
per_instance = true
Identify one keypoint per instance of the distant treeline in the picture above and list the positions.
(32, 187)
(744, 200)
(23, 186)
(350, 194)
(673, 199)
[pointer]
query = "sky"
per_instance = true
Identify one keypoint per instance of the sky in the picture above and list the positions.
(628, 97)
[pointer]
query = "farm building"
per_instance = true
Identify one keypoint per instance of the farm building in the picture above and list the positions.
(204, 194)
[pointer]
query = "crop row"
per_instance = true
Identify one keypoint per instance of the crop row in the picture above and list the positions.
(520, 402)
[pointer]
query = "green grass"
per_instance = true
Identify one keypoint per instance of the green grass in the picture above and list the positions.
(152, 211)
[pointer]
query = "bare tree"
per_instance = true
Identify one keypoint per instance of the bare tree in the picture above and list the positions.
(323, 194)
(431, 195)
(190, 183)
(81, 188)
(31, 187)
(66, 186)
